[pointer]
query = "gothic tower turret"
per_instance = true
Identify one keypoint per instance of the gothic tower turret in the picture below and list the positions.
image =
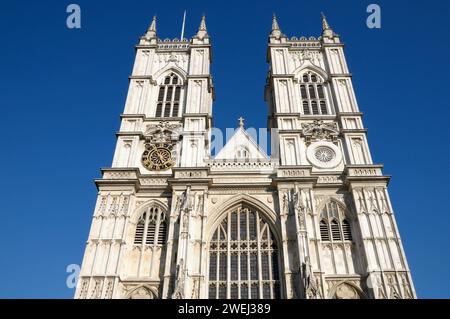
(136, 237)
(341, 226)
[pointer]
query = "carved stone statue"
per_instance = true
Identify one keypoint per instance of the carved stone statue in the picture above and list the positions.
(311, 290)
(320, 131)
(180, 281)
(186, 200)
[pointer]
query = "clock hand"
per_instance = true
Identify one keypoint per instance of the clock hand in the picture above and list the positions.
(160, 156)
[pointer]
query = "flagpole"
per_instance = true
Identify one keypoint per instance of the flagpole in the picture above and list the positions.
(182, 27)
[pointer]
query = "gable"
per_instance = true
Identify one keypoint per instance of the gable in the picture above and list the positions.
(241, 146)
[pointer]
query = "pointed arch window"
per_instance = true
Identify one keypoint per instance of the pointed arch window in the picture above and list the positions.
(169, 96)
(151, 228)
(334, 225)
(243, 258)
(312, 92)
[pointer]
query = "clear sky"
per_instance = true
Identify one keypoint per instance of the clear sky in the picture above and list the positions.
(62, 91)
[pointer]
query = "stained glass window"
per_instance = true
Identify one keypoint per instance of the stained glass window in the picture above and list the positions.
(243, 258)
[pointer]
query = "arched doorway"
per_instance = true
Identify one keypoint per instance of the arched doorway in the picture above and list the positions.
(243, 257)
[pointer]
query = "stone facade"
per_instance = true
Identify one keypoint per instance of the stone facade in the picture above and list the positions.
(313, 220)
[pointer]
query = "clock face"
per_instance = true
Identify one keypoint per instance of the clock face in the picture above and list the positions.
(158, 156)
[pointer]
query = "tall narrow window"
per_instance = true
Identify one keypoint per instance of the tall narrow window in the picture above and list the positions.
(303, 91)
(151, 227)
(334, 225)
(324, 231)
(169, 96)
(139, 235)
(306, 109)
(315, 109)
(346, 230)
(312, 92)
(243, 258)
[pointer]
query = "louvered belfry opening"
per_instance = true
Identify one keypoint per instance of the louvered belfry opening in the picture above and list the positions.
(334, 225)
(169, 96)
(151, 228)
(312, 92)
(243, 258)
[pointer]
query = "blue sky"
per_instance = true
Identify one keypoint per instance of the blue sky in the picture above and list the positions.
(62, 92)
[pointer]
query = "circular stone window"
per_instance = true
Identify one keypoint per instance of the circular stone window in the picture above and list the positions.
(324, 155)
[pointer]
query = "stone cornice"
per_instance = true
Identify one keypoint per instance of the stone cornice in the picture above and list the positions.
(341, 75)
(330, 45)
(281, 76)
(365, 173)
(354, 130)
(342, 114)
(146, 46)
(132, 177)
(289, 131)
(156, 119)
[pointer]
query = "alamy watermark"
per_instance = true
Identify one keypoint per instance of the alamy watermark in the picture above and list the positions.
(72, 279)
(374, 19)
(73, 20)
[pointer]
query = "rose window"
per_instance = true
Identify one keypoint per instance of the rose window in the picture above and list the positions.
(324, 154)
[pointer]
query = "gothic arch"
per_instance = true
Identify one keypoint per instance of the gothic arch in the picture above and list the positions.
(139, 210)
(219, 212)
(346, 288)
(347, 211)
(308, 66)
(161, 74)
(143, 292)
(254, 252)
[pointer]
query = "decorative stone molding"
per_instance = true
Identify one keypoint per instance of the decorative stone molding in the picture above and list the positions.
(355, 171)
(149, 181)
(163, 132)
(236, 190)
(119, 175)
(330, 179)
(288, 172)
(140, 292)
(242, 165)
(320, 131)
(191, 174)
(345, 288)
(307, 55)
(173, 45)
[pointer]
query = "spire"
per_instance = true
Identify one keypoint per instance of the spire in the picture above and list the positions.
(275, 25)
(325, 25)
(151, 32)
(202, 32)
(327, 31)
(202, 24)
(276, 32)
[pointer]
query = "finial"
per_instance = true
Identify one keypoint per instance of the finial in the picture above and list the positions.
(153, 24)
(241, 122)
(275, 25)
(203, 23)
(151, 32)
(325, 25)
(202, 32)
(276, 32)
